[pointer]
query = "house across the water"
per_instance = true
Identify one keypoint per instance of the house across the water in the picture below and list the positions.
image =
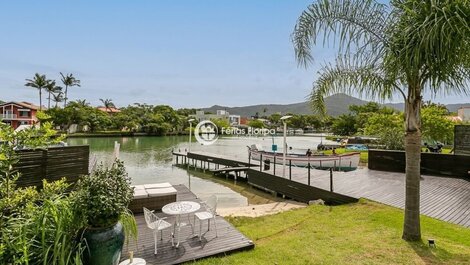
(18, 113)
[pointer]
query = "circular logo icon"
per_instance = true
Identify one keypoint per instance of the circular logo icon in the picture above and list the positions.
(206, 132)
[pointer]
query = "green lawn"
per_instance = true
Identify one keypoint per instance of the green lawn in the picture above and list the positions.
(361, 233)
(364, 154)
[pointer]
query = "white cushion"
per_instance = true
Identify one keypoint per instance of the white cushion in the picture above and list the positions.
(157, 185)
(140, 194)
(139, 187)
(161, 192)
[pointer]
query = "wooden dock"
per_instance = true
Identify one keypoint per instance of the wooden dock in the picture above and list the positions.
(444, 198)
(229, 239)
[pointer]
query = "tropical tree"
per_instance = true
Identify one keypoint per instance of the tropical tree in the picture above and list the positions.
(51, 89)
(69, 81)
(256, 124)
(436, 125)
(57, 98)
(405, 49)
(39, 82)
(107, 103)
(82, 102)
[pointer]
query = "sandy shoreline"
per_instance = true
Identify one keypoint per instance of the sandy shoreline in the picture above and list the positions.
(261, 209)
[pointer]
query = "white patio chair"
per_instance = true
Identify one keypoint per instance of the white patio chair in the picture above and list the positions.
(156, 224)
(210, 213)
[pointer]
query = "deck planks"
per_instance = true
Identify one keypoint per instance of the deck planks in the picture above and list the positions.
(444, 198)
(229, 239)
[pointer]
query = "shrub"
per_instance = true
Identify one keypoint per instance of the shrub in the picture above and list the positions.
(103, 196)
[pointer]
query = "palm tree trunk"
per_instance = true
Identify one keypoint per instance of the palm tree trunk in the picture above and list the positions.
(65, 96)
(412, 227)
(40, 100)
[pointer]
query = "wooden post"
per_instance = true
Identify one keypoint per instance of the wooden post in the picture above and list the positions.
(274, 165)
(290, 169)
(249, 159)
(309, 173)
(331, 180)
(260, 162)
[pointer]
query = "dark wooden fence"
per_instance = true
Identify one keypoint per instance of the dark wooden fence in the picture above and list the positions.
(462, 139)
(295, 190)
(218, 160)
(52, 164)
(431, 163)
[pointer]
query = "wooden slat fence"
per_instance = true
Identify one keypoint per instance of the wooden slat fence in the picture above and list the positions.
(431, 163)
(52, 164)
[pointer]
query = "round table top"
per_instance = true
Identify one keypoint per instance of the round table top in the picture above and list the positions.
(136, 261)
(181, 207)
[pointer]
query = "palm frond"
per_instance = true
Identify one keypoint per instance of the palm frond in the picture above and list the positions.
(435, 38)
(351, 78)
(358, 24)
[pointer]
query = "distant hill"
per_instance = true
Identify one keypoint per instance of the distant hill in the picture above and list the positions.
(450, 107)
(335, 105)
(455, 107)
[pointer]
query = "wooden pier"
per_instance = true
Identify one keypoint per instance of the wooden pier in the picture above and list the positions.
(229, 239)
(444, 198)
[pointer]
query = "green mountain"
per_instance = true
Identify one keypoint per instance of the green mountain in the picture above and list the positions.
(335, 105)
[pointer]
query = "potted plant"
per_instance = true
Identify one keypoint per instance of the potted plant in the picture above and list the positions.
(102, 199)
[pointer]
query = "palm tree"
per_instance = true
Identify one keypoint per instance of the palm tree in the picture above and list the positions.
(405, 49)
(39, 82)
(82, 102)
(58, 97)
(51, 89)
(69, 81)
(108, 103)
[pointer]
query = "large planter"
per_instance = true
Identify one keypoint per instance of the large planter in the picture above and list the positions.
(103, 245)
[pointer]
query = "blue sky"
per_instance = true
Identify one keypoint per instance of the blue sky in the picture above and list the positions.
(181, 53)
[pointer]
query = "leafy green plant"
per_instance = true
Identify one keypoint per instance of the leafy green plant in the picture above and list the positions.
(103, 196)
(36, 227)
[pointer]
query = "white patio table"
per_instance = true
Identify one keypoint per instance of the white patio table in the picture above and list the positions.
(178, 209)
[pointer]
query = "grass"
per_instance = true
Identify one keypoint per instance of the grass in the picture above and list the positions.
(364, 154)
(361, 233)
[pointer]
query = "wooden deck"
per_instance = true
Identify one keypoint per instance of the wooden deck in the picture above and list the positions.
(229, 239)
(444, 198)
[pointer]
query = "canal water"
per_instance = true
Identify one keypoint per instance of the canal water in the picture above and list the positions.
(148, 160)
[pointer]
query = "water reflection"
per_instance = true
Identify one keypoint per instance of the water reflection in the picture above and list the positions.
(149, 160)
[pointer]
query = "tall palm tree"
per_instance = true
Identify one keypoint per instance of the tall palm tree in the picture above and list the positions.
(69, 81)
(39, 82)
(405, 49)
(107, 103)
(51, 89)
(57, 98)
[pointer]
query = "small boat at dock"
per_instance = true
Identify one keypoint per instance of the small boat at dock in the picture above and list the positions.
(342, 162)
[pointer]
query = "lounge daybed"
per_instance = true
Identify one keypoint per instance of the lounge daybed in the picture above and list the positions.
(152, 196)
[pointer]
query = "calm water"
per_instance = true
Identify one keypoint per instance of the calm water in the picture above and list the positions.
(149, 160)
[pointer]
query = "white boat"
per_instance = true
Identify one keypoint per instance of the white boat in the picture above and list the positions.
(343, 162)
